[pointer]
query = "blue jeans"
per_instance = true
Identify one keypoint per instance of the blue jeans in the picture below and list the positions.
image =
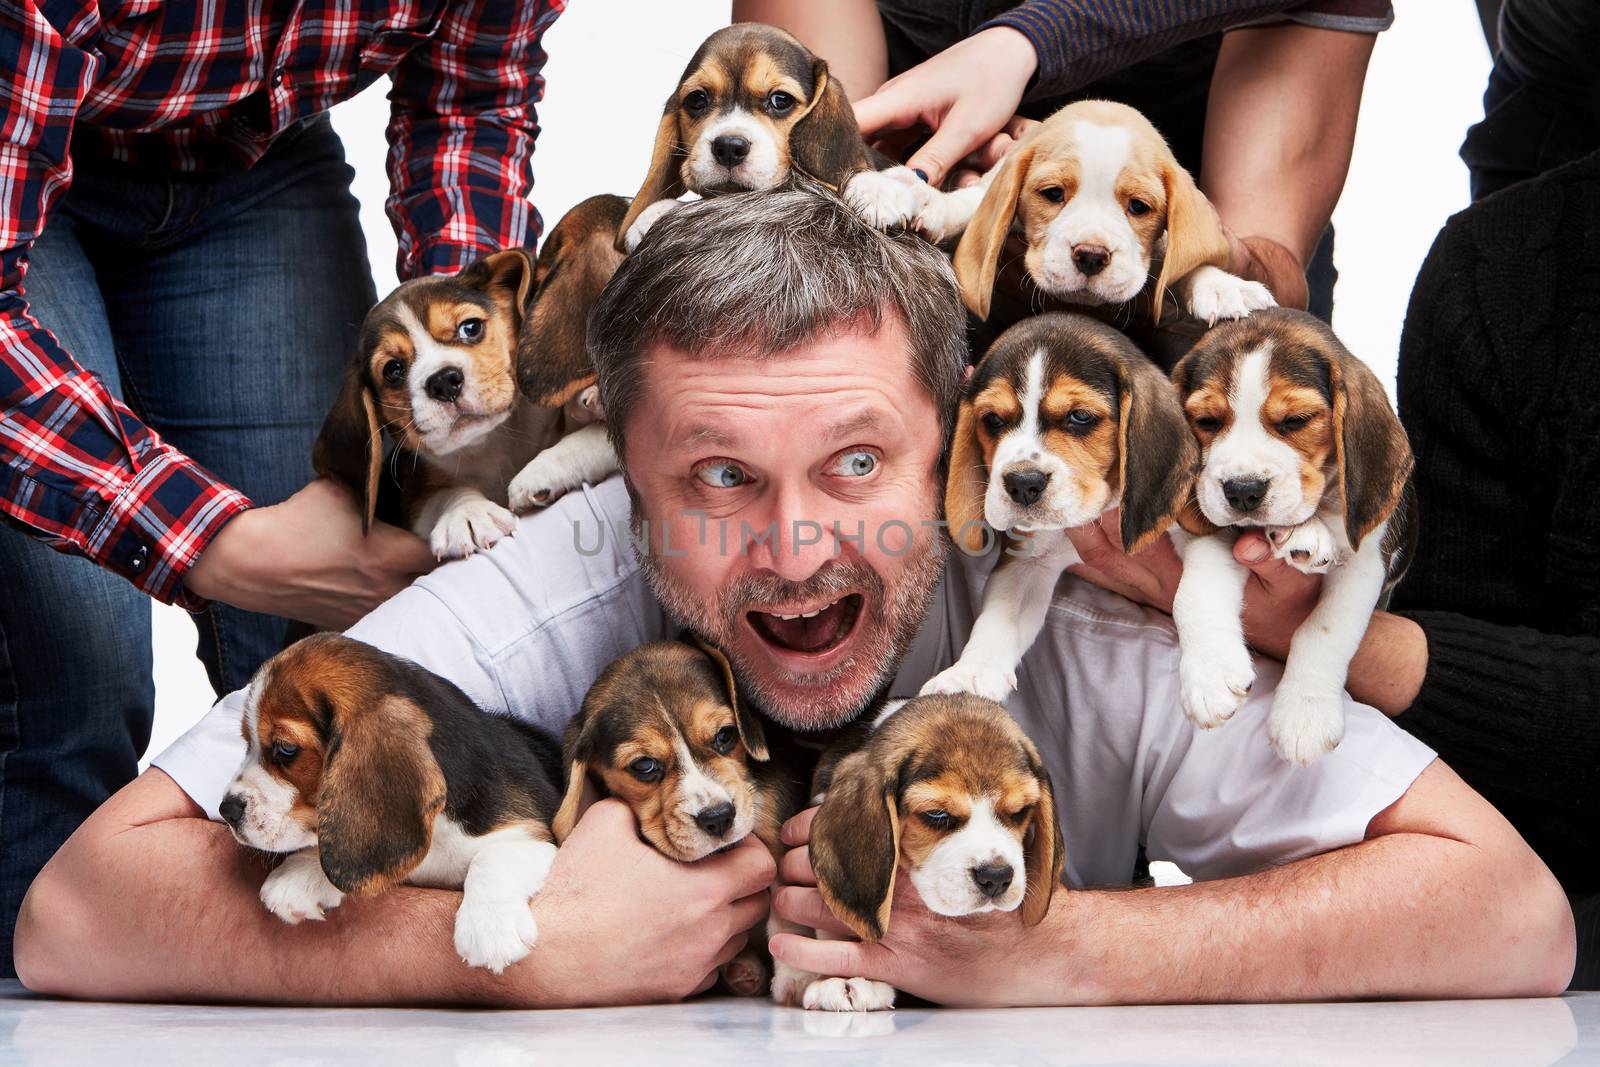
(221, 308)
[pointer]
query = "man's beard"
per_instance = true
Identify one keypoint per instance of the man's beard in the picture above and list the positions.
(831, 698)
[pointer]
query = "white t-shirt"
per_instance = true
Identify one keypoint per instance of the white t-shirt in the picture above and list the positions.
(525, 628)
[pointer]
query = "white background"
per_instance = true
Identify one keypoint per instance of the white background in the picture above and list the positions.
(613, 62)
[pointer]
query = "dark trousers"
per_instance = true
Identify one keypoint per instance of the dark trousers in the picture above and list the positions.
(1527, 129)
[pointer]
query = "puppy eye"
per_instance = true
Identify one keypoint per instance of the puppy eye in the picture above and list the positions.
(1293, 423)
(993, 422)
(1138, 207)
(1081, 419)
(780, 102)
(725, 739)
(470, 331)
(855, 464)
(936, 819)
(394, 372)
(1053, 193)
(283, 752)
(1208, 423)
(721, 474)
(646, 769)
(1020, 816)
(697, 102)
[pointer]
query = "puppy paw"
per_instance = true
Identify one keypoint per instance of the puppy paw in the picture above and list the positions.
(297, 890)
(1215, 294)
(745, 975)
(789, 984)
(494, 933)
(641, 225)
(1214, 682)
(1305, 724)
(887, 199)
(547, 477)
(848, 994)
(1309, 548)
(468, 526)
(965, 676)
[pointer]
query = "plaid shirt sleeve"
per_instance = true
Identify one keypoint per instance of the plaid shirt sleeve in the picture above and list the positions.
(461, 135)
(80, 471)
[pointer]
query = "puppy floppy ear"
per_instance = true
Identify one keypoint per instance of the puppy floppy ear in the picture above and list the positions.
(380, 791)
(553, 363)
(506, 276)
(1370, 446)
(665, 180)
(1043, 851)
(966, 483)
(825, 142)
(750, 732)
(855, 845)
(1157, 452)
(577, 750)
(978, 255)
(1195, 235)
(349, 447)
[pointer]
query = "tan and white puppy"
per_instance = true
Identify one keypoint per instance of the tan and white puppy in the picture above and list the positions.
(1062, 420)
(483, 380)
(663, 729)
(947, 787)
(369, 770)
(754, 110)
(1297, 437)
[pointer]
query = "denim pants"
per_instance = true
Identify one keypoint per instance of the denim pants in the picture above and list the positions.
(221, 308)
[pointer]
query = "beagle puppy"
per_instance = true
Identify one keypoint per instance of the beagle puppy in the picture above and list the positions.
(369, 770)
(1104, 208)
(1297, 438)
(951, 789)
(483, 380)
(754, 110)
(1062, 420)
(663, 728)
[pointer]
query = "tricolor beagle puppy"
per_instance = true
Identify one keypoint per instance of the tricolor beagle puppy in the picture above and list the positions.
(951, 789)
(754, 110)
(1297, 438)
(1107, 214)
(370, 770)
(663, 728)
(483, 380)
(1062, 420)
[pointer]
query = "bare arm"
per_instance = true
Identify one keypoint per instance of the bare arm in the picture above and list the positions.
(846, 33)
(1442, 899)
(150, 901)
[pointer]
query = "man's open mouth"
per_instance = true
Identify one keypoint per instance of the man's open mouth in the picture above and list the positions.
(812, 631)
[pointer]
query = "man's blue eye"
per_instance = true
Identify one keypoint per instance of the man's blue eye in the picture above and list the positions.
(856, 464)
(722, 475)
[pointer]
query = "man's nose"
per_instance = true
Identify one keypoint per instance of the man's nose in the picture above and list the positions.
(794, 543)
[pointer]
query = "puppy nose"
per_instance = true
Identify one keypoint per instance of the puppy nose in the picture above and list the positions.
(1244, 494)
(231, 809)
(1090, 259)
(445, 385)
(716, 819)
(1025, 487)
(730, 150)
(993, 878)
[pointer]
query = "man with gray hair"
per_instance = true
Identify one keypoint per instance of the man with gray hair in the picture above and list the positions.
(779, 380)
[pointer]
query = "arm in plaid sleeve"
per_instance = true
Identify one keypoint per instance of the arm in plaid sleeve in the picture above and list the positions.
(462, 132)
(80, 471)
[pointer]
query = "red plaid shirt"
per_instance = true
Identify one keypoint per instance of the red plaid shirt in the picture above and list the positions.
(212, 82)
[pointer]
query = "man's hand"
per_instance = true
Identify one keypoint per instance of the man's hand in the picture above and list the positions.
(307, 559)
(966, 95)
(1261, 259)
(964, 962)
(619, 923)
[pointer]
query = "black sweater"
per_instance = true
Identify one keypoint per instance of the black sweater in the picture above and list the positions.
(1499, 389)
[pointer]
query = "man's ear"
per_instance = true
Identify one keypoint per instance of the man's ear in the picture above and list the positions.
(855, 845)
(1157, 451)
(553, 363)
(1194, 231)
(349, 447)
(1044, 851)
(750, 731)
(966, 483)
(665, 180)
(978, 255)
(825, 142)
(1370, 445)
(381, 789)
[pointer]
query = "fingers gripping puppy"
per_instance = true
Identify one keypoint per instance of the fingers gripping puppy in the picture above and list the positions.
(369, 770)
(948, 788)
(1298, 438)
(1062, 420)
(663, 728)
